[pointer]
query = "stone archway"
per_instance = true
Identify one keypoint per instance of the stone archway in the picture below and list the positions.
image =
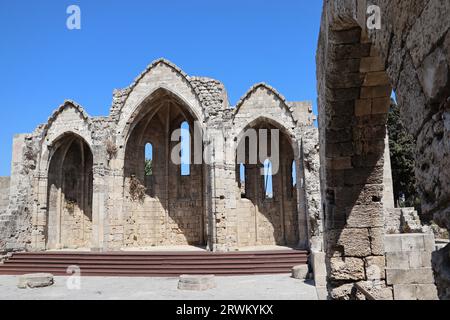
(357, 68)
(170, 208)
(267, 209)
(69, 195)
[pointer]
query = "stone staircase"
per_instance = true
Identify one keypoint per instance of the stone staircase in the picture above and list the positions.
(155, 264)
(402, 220)
(410, 221)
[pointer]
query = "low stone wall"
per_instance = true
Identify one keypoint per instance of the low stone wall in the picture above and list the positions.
(408, 266)
(4, 193)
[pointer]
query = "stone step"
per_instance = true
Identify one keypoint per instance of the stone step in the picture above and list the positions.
(156, 263)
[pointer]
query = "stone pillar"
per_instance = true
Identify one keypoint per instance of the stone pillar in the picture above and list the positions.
(40, 212)
(309, 185)
(99, 198)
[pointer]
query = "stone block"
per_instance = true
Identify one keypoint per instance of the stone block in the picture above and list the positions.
(409, 276)
(397, 260)
(347, 269)
(347, 65)
(374, 79)
(363, 107)
(405, 292)
(377, 289)
(35, 280)
(350, 36)
(371, 64)
(375, 92)
(376, 241)
(196, 282)
(369, 216)
(415, 292)
(319, 268)
(419, 259)
(300, 272)
(349, 242)
(339, 163)
(345, 292)
(349, 51)
(381, 105)
(426, 292)
(393, 242)
(412, 242)
(375, 267)
(429, 242)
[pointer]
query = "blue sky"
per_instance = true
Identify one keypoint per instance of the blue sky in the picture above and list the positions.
(240, 43)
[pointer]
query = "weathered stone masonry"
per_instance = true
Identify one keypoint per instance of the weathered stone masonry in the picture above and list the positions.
(4, 193)
(357, 69)
(80, 181)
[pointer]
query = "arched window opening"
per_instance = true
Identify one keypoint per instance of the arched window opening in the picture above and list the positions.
(185, 149)
(148, 159)
(242, 180)
(148, 168)
(294, 174)
(292, 180)
(268, 181)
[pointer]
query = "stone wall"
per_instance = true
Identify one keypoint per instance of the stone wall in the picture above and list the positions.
(408, 266)
(16, 223)
(4, 194)
(357, 69)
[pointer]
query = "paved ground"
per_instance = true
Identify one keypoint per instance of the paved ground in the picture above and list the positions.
(270, 287)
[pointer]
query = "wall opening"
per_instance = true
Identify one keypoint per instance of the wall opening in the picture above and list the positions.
(69, 200)
(185, 149)
(241, 181)
(171, 209)
(292, 180)
(148, 169)
(268, 183)
(148, 159)
(268, 214)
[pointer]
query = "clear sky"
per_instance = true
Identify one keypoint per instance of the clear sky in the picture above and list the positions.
(239, 42)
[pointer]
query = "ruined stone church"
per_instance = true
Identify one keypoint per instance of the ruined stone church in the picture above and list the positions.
(80, 182)
(108, 183)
